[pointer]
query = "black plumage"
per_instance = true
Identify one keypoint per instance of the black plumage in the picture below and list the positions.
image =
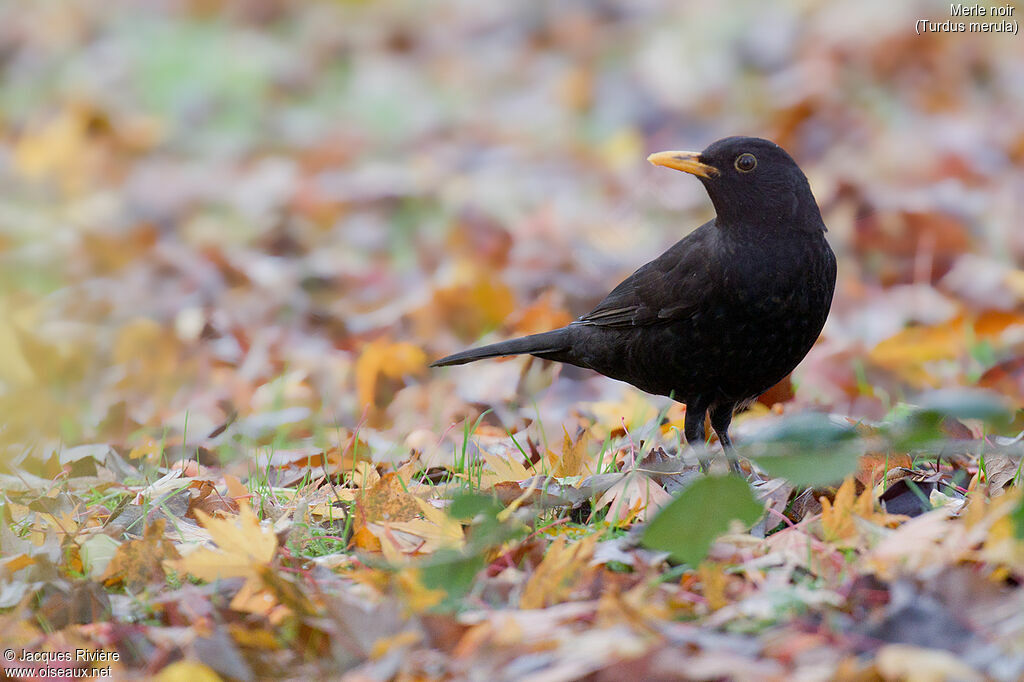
(726, 312)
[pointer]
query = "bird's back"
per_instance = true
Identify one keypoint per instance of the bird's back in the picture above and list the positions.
(715, 317)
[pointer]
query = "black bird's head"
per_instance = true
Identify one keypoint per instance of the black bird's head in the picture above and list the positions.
(752, 182)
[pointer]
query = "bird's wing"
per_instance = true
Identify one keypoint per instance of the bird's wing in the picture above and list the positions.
(669, 287)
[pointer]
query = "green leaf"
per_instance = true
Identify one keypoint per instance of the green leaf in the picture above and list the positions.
(811, 468)
(469, 505)
(1017, 516)
(963, 403)
(703, 511)
(806, 429)
(453, 572)
(806, 449)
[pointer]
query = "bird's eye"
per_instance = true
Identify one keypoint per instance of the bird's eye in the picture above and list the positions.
(746, 163)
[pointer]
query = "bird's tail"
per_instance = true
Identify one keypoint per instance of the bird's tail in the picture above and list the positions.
(535, 344)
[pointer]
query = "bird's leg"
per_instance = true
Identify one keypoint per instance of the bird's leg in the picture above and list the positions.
(693, 429)
(721, 417)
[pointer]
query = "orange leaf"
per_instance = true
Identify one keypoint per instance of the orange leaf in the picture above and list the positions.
(907, 352)
(383, 359)
(540, 316)
(469, 309)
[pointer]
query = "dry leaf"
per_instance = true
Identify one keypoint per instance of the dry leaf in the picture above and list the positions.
(565, 565)
(244, 547)
(635, 495)
(383, 360)
(139, 563)
(573, 455)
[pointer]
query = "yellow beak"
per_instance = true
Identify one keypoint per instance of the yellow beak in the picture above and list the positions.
(688, 162)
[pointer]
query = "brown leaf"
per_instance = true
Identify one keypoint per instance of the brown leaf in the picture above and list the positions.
(385, 502)
(139, 563)
(205, 498)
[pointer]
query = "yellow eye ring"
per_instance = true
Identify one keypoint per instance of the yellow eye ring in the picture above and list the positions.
(745, 163)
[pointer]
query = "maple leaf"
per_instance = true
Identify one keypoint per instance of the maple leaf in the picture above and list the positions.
(636, 494)
(837, 516)
(386, 501)
(417, 596)
(188, 671)
(501, 469)
(436, 529)
(573, 456)
(60, 149)
(258, 599)
(243, 547)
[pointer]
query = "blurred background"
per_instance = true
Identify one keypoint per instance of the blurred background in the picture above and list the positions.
(224, 221)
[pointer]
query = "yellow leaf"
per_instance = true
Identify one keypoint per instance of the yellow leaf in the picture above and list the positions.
(907, 352)
(243, 547)
(148, 353)
(564, 566)
(1001, 544)
(257, 599)
(436, 529)
(256, 638)
(139, 563)
(540, 316)
(837, 516)
(918, 664)
(386, 501)
(633, 410)
(476, 305)
(417, 597)
(187, 671)
(573, 455)
(15, 564)
(501, 469)
(1015, 281)
(622, 149)
(15, 369)
(149, 449)
(712, 577)
(59, 149)
(404, 639)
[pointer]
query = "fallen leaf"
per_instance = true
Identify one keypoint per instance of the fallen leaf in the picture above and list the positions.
(573, 455)
(243, 548)
(564, 566)
(382, 359)
(139, 563)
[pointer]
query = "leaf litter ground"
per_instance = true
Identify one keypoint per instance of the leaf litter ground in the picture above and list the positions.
(223, 279)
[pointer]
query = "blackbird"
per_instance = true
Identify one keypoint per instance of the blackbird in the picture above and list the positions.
(725, 313)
